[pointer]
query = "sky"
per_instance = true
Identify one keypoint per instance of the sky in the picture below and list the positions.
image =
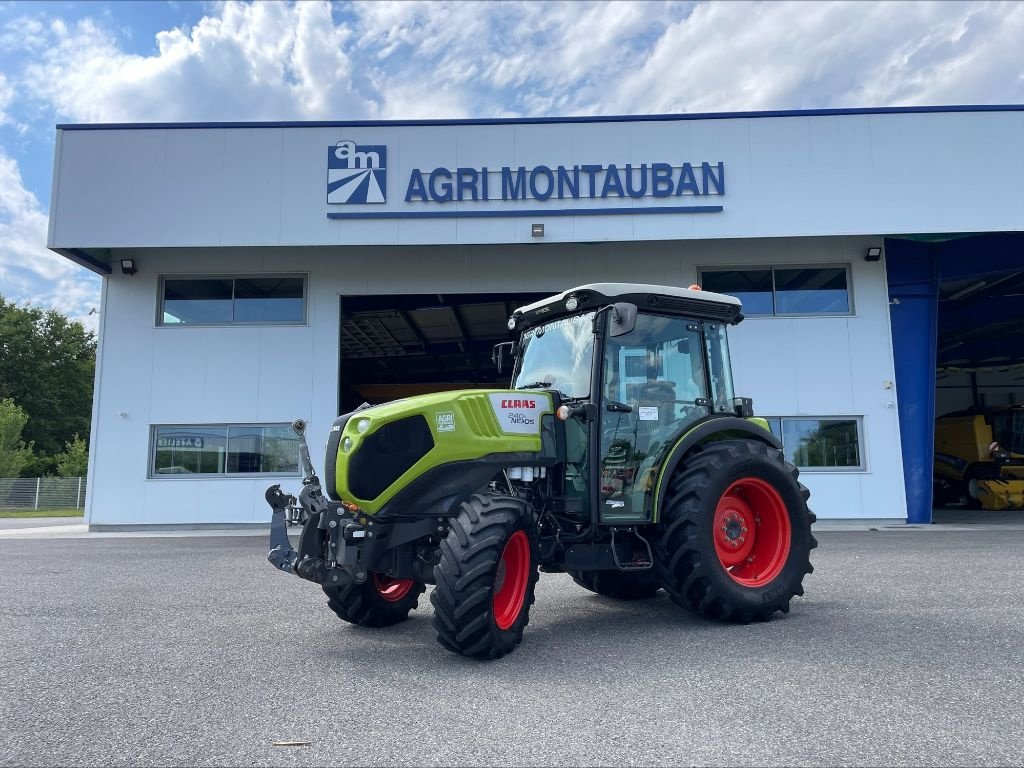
(89, 62)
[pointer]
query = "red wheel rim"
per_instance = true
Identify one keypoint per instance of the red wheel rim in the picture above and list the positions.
(390, 589)
(752, 532)
(510, 580)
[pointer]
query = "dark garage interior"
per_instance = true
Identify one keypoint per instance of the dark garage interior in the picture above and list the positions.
(957, 313)
(396, 346)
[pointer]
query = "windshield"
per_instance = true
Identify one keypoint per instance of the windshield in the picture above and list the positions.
(1008, 430)
(558, 355)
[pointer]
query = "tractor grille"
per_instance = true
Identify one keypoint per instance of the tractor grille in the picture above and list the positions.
(478, 412)
(387, 454)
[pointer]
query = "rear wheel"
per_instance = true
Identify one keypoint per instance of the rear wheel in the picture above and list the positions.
(618, 584)
(378, 602)
(486, 577)
(736, 532)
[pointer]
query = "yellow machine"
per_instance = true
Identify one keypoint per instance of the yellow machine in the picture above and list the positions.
(979, 457)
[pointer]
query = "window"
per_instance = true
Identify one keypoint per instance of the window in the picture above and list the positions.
(224, 449)
(232, 300)
(559, 355)
(751, 286)
(784, 290)
(819, 443)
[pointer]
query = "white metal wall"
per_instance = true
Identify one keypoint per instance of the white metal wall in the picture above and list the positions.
(826, 366)
(784, 176)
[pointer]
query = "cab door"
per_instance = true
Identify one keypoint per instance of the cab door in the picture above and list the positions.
(654, 384)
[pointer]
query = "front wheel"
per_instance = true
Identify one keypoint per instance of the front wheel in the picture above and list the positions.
(736, 534)
(486, 577)
(380, 601)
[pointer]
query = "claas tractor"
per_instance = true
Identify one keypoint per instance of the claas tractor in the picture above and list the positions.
(979, 458)
(619, 455)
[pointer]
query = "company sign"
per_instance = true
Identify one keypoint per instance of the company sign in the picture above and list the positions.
(541, 182)
(357, 175)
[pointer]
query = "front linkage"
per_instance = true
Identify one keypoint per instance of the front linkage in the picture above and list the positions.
(483, 556)
(327, 521)
(338, 541)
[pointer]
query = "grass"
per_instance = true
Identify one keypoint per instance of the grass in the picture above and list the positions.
(42, 512)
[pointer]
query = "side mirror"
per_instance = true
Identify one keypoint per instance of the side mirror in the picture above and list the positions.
(623, 319)
(498, 354)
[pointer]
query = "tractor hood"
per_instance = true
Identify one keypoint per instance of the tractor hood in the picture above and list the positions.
(373, 454)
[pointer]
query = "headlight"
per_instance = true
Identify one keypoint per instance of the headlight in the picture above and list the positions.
(346, 445)
(571, 303)
(362, 425)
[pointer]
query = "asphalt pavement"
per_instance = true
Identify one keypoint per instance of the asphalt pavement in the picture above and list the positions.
(908, 649)
(13, 523)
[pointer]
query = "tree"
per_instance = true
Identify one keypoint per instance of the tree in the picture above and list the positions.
(74, 462)
(14, 454)
(48, 366)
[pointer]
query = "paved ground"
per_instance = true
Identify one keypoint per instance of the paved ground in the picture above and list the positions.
(908, 649)
(11, 523)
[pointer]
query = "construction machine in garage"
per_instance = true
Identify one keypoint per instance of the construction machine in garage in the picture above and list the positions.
(619, 455)
(979, 458)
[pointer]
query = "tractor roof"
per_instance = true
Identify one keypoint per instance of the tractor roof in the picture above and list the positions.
(667, 299)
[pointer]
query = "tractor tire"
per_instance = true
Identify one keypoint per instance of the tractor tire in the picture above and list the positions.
(380, 601)
(618, 584)
(736, 532)
(486, 577)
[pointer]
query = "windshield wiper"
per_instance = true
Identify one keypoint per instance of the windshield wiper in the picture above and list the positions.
(535, 385)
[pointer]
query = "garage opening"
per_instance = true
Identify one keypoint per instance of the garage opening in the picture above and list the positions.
(402, 345)
(956, 307)
(979, 397)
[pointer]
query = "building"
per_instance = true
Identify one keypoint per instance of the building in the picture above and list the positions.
(258, 273)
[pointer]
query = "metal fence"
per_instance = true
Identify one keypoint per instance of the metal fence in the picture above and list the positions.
(42, 492)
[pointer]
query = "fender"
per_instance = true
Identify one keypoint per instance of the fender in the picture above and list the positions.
(708, 429)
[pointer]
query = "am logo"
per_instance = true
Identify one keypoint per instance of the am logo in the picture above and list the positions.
(356, 173)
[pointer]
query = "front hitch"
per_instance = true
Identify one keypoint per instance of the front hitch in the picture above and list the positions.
(324, 526)
(281, 554)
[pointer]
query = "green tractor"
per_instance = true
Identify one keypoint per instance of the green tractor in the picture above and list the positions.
(619, 456)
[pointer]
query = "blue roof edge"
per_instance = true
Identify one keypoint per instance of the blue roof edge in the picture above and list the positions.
(545, 120)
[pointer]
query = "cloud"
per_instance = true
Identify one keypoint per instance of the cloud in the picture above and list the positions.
(314, 61)
(735, 56)
(6, 98)
(29, 273)
(271, 61)
(250, 62)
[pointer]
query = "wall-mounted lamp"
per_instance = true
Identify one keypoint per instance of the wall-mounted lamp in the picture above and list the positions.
(128, 267)
(873, 254)
(537, 230)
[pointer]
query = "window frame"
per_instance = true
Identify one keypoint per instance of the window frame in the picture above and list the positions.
(151, 474)
(233, 277)
(862, 467)
(851, 311)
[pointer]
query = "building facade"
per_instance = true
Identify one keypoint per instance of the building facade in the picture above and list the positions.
(259, 273)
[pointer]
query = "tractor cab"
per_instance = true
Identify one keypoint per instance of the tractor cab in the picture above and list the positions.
(633, 368)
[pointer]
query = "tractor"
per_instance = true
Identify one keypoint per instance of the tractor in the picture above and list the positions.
(619, 456)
